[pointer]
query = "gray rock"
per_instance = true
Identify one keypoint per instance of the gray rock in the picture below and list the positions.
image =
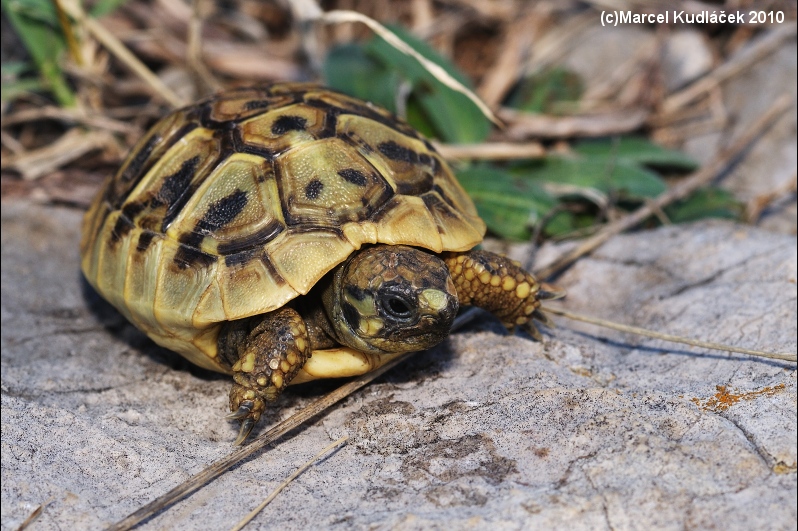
(686, 57)
(587, 430)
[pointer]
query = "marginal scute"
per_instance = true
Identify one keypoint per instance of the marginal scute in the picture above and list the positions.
(179, 289)
(91, 240)
(360, 233)
(406, 220)
(141, 282)
(210, 308)
(457, 232)
(111, 265)
(205, 341)
(446, 184)
(303, 257)
(252, 288)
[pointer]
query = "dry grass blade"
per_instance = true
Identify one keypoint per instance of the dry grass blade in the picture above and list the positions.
(32, 517)
(116, 47)
(248, 518)
(504, 73)
(203, 77)
(757, 205)
(680, 191)
(70, 146)
(339, 16)
(785, 356)
(492, 151)
(69, 116)
(11, 143)
(525, 125)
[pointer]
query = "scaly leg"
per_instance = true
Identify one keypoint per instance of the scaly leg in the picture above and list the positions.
(499, 285)
(269, 356)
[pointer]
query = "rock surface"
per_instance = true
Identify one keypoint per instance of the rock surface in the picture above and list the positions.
(590, 429)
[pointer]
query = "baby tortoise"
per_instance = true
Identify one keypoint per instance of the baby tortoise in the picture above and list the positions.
(286, 233)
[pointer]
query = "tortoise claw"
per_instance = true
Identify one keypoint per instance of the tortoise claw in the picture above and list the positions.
(533, 331)
(246, 429)
(243, 411)
(550, 293)
(543, 318)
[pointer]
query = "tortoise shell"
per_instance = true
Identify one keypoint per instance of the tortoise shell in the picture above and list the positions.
(235, 205)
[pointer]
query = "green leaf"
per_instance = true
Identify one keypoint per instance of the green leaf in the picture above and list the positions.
(545, 91)
(13, 89)
(104, 7)
(351, 70)
(36, 23)
(453, 117)
(14, 69)
(628, 179)
(705, 203)
(637, 150)
(509, 206)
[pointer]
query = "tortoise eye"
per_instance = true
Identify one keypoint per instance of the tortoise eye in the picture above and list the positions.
(397, 307)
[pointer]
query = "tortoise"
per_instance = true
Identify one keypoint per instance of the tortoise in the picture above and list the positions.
(288, 232)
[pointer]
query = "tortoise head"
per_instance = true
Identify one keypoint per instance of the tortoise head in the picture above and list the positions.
(391, 298)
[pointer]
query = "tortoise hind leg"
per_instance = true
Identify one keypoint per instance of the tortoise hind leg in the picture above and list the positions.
(499, 285)
(268, 357)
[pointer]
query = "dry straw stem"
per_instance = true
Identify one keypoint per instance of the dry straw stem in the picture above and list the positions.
(37, 512)
(785, 356)
(516, 43)
(699, 179)
(203, 77)
(248, 518)
(116, 47)
(757, 205)
(74, 115)
(70, 146)
(11, 143)
(555, 44)
(522, 124)
(491, 151)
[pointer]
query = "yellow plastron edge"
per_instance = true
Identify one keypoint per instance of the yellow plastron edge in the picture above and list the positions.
(340, 363)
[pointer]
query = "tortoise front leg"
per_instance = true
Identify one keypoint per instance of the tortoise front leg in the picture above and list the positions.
(268, 358)
(499, 285)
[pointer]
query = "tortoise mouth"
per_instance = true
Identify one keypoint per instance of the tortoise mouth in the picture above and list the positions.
(428, 332)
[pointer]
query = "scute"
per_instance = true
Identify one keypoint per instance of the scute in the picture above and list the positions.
(326, 183)
(280, 130)
(236, 205)
(165, 189)
(303, 257)
(237, 208)
(403, 160)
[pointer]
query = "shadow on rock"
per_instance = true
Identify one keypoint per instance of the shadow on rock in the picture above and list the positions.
(120, 328)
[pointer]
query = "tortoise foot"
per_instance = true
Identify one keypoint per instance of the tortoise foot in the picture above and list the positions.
(270, 355)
